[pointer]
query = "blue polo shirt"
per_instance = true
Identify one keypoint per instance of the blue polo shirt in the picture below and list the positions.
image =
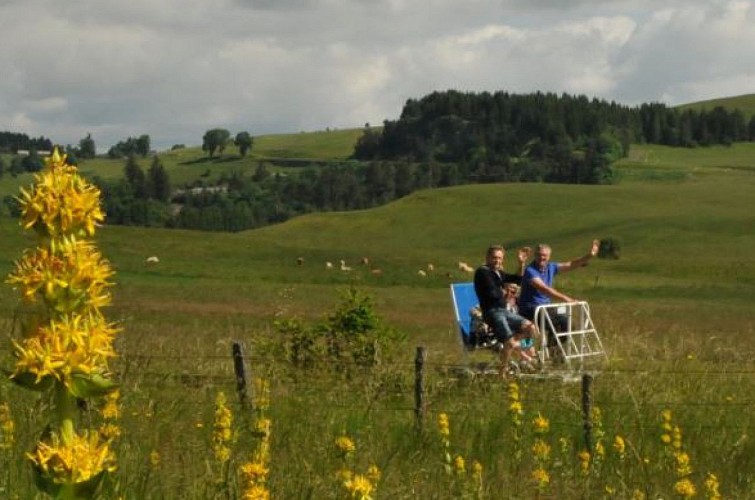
(531, 297)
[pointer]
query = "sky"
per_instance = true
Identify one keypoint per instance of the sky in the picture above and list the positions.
(173, 69)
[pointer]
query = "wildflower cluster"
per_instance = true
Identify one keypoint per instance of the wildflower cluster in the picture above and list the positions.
(541, 452)
(358, 486)
(516, 413)
(221, 430)
(711, 487)
(254, 473)
(672, 440)
(65, 348)
(466, 482)
(76, 462)
(7, 427)
(598, 433)
(111, 412)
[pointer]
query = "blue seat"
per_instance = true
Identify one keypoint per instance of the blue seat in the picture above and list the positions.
(464, 299)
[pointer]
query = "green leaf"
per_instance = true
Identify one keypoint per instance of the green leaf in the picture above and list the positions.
(29, 381)
(87, 386)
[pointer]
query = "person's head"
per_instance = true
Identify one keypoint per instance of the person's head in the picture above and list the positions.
(511, 289)
(494, 256)
(542, 254)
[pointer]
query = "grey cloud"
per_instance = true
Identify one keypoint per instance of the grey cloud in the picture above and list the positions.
(174, 68)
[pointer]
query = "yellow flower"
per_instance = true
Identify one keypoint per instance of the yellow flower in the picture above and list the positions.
(665, 438)
(359, 487)
(459, 464)
(345, 445)
(65, 347)
(666, 415)
(540, 424)
(154, 459)
(261, 394)
(516, 408)
(443, 425)
(477, 470)
(373, 473)
(619, 445)
(541, 450)
(61, 202)
(683, 467)
(541, 477)
(600, 450)
(222, 434)
(255, 472)
(584, 461)
(256, 492)
(110, 431)
(638, 495)
(344, 475)
(7, 427)
(685, 488)
(69, 276)
(77, 461)
(111, 410)
(711, 487)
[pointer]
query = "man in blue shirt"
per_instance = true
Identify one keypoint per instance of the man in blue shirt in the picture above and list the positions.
(537, 282)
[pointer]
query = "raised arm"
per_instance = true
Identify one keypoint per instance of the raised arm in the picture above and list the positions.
(523, 255)
(554, 294)
(580, 261)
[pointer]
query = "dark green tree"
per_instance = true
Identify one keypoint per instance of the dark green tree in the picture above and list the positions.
(261, 173)
(244, 142)
(142, 145)
(215, 140)
(2, 167)
(87, 147)
(135, 178)
(158, 182)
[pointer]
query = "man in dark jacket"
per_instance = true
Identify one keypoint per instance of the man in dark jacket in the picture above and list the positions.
(489, 279)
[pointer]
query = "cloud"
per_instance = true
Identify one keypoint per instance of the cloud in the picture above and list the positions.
(175, 68)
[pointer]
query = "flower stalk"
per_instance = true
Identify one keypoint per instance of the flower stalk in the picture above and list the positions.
(65, 348)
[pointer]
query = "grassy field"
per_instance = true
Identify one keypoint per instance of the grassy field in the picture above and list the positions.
(674, 311)
(745, 103)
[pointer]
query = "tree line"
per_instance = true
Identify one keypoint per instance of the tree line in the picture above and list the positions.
(502, 129)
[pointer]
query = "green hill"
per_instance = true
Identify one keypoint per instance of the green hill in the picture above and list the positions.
(681, 216)
(745, 103)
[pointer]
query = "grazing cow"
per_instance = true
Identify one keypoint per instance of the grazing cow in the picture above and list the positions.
(328, 265)
(377, 272)
(152, 260)
(422, 273)
(344, 267)
(300, 261)
(430, 267)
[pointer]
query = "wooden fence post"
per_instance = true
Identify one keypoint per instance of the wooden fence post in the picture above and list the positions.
(419, 386)
(238, 368)
(587, 410)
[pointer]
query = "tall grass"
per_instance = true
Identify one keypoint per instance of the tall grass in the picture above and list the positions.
(674, 312)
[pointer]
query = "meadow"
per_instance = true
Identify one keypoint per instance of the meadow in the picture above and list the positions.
(674, 312)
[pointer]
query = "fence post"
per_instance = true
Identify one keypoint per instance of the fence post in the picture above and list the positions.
(587, 410)
(419, 387)
(238, 368)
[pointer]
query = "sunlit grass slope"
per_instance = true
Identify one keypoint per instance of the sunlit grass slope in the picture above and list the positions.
(686, 238)
(745, 103)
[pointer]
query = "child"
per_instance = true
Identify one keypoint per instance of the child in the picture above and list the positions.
(526, 346)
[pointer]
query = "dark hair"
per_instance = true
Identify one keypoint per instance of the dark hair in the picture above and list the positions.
(495, 248)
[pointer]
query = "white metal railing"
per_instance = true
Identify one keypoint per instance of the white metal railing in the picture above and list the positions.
(578, 338)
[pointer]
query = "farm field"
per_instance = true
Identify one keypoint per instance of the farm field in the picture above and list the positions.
(675, 314)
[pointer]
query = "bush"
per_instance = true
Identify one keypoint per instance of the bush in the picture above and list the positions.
(610, 248)
(352, 335)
